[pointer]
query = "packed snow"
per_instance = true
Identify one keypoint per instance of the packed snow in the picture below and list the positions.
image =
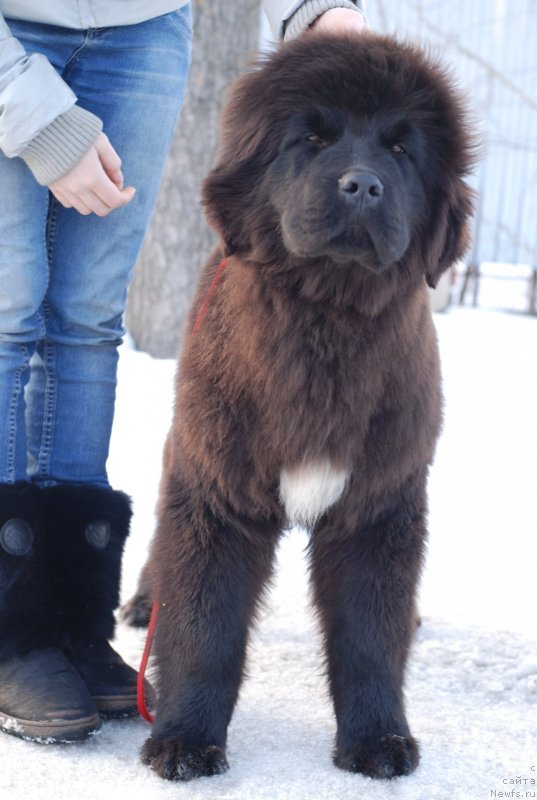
(472, 679)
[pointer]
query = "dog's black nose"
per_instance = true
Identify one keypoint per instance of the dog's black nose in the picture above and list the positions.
(361, 186)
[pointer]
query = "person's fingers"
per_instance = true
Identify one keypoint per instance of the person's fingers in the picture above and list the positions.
(81, 207)
(109, 159)
(340, 20)
(88, 201)
(102, 207)
(95, 182)
(60, 196)
(74, 201)
(110, 194)
(95, 204)
(69, 200)
(128, 193)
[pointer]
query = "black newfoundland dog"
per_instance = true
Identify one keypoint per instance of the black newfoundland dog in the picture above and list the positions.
(309, 388)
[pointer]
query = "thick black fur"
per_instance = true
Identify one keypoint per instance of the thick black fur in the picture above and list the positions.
(90, 575)
(366, 604)
(30, 585)
(64, 588)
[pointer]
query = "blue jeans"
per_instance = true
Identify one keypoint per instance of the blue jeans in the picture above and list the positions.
(63, 276)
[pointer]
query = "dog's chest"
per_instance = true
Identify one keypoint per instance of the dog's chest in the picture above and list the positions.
(308, 490)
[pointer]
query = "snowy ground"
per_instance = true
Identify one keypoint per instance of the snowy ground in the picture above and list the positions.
(472, 682)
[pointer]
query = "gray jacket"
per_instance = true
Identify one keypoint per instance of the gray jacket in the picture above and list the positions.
(51, 137)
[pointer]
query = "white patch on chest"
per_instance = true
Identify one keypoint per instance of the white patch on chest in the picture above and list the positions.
(307, 490)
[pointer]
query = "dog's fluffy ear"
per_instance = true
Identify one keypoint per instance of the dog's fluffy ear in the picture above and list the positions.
(223, 195)
(449, 238)
(233, 200)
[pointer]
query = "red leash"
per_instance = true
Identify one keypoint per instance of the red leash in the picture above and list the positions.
(209, 296)
(140, 684)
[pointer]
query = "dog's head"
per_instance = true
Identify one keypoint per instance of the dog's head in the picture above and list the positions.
(346, 149)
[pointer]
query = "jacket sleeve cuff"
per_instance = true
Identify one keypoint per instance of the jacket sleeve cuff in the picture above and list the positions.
(307, 13)
(61, 144)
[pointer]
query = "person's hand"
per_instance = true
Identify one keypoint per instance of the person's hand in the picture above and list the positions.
(95, 183)
(340, 20)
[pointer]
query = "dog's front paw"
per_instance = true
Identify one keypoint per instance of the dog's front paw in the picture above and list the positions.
(175, 759)
(386, 757)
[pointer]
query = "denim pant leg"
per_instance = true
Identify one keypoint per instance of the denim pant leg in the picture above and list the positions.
(133, 78)
(23, 284)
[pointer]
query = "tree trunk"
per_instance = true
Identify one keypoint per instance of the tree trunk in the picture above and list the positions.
(226, 36)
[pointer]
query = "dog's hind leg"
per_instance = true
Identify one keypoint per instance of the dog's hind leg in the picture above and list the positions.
(364, 583)
(210, 569)
(137, 610)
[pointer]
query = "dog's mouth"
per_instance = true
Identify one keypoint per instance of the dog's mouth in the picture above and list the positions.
(354, 244)
(372, 248)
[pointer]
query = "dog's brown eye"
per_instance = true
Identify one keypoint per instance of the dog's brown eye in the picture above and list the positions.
(314, 138)
(398, 149)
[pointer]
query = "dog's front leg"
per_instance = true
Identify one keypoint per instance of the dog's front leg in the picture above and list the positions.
(210, 569)
(364, 583)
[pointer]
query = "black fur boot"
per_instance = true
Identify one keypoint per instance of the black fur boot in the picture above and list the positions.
(90, 525)
(42, 697)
